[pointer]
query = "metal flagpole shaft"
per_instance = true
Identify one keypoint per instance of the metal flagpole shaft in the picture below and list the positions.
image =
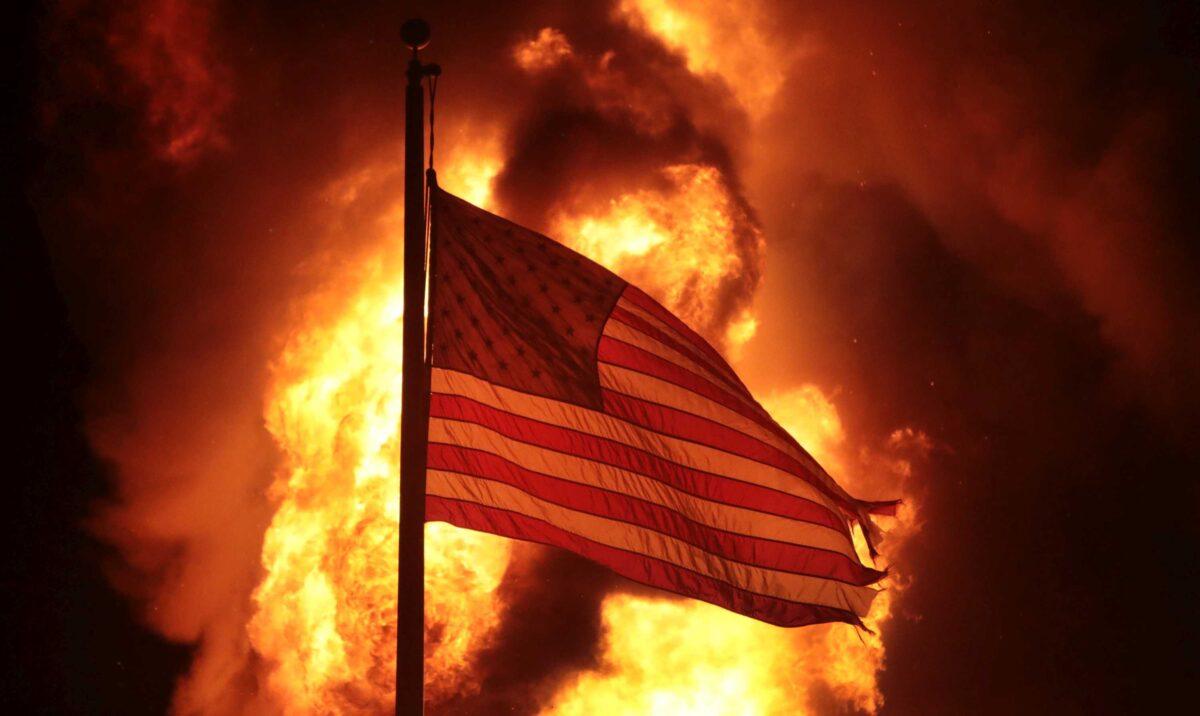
(414, 420)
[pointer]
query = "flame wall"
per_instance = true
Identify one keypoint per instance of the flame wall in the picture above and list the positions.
(944, 245)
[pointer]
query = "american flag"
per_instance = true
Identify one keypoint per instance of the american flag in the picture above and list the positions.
(569, 408)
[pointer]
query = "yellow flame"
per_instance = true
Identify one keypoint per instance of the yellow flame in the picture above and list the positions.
(678, 658)
(324, 618)
(677, 242)
(471, 162)
(811, 417)
(331, 548)
(719, 39)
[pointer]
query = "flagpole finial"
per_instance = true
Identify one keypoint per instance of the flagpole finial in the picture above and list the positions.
(415, 33)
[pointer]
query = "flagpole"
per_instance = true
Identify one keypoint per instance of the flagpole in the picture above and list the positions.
(414, 419)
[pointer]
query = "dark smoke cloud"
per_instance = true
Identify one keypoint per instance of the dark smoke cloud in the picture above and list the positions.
(977, 228)
(1043, 147)
(979, 224)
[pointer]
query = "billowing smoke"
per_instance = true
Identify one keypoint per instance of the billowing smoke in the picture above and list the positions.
(966, 223)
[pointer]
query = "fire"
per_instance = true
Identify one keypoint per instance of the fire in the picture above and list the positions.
(549, 48)
(675, 657)
(471, 161)
(324, 618)
(717, 39)
(739, 333)
(324, 613)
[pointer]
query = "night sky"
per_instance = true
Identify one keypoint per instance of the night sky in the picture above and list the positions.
(979, 222)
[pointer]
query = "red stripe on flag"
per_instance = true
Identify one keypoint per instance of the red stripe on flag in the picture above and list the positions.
(746, 549)
(620, 353)
(636, 322)
(643, 301)
(638, 567)
(710, 486)
(702, 431)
